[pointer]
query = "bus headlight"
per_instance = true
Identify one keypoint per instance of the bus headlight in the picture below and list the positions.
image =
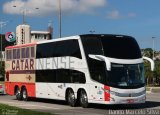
(110, 92)
(113, 93)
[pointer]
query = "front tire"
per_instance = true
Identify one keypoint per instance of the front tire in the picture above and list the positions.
(83, 99)
(71, 98)
(24, 94)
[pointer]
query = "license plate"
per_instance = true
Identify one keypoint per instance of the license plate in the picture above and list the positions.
(130, 100)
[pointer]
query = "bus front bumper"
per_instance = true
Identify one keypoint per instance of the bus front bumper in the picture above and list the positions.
(127, 100)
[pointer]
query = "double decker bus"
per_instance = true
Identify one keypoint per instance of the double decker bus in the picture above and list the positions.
(102, 69)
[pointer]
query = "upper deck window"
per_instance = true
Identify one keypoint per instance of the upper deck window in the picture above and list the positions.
(32, 52)
(120, 47)
(59, 49)
(18, 53)
(8, 54)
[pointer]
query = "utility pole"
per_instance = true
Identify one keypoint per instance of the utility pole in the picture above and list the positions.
(153, 47)
(2, 23)
(60, 18)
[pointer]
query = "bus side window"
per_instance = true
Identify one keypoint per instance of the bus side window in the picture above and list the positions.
(18, 54)
(32, 52)
(9, 54)
(62, 76)
(14, 53)
(78, 77)
(23, 54)
(27, 53)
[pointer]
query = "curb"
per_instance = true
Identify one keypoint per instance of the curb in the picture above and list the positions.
(153, 89)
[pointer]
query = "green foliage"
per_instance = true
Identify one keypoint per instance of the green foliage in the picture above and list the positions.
(148, 52)
(2, 71)
(152, 78)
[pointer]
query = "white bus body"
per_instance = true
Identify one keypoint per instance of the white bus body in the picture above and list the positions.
(104, 69)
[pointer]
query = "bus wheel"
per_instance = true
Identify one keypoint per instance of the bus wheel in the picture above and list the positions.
(71, 98)
(83, 99)
(24, 94)
(18, 94)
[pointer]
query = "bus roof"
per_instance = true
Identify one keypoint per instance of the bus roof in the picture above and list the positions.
(59, 39)
(66, 38)
(21, 45)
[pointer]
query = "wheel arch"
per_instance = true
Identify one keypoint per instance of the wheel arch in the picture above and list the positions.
(22, 87)
(15, 88)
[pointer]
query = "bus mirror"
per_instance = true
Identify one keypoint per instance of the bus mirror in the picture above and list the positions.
(102, 58)
(151, 61)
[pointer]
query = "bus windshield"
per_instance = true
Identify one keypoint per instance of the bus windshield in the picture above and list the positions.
(126, 75)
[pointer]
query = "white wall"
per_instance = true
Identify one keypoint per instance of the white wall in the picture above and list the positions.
(23, 34)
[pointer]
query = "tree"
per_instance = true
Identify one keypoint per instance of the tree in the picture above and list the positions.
(157, 72)
(2, 71)
(152, 77)
(148, 52)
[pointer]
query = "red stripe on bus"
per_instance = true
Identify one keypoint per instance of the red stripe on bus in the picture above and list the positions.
(10, 86)
(107, 94)
(22, 72)
(20, 46)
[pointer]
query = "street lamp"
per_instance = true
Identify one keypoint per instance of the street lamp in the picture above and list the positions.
(60, 18)
(24, 11)
(92, 31)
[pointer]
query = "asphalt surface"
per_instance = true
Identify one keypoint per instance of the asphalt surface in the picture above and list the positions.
(152, 106)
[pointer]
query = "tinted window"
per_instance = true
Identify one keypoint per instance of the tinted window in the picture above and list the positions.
(97, 70)
(120, 47)
(63, 76)
(23, 52)
(45, 76)
(18, 53)
(59, 49)
(14, 53)
(27, 53)
(32, 52)
(60, 76)
(77, 77)
(92, 45)
(9, 54)
(129, 76)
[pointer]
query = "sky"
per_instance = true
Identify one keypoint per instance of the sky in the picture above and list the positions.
(137, 18)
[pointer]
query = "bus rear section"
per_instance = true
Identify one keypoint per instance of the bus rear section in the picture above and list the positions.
(20, 71)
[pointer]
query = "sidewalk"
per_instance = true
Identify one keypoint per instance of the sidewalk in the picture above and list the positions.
(153, 89)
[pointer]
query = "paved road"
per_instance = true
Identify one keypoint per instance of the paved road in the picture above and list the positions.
(152, 106)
